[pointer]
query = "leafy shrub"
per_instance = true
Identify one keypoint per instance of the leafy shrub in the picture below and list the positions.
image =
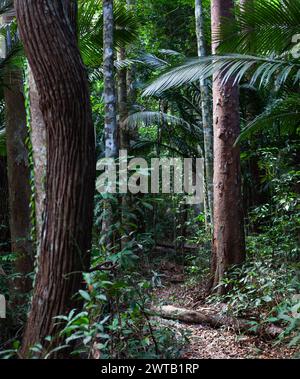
(115, 322)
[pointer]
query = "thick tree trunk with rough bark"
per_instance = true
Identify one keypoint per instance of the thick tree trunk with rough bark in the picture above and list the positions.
(206, 116)
(51, 47)
(38, 137)
(228, 240)
(18, 185)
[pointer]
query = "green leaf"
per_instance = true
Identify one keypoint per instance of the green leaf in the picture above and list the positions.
(85, 295)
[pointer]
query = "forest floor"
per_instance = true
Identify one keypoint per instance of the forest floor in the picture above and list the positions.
(206, 342)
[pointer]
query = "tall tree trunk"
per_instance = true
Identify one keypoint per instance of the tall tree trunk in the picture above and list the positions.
(19, 185)
(110, 100)
(206, 116)
(38, 136)
(228, 240)
(51, 48)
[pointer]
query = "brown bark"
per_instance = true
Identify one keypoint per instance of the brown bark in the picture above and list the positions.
(38, 137)
(51, 48)
(18, 184)
(71, 9)
(228, 240)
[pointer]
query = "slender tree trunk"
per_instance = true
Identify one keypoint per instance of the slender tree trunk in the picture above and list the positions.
(228, 241)
(19, 185)
(110, 100)
(39, 152)
(206, 115)
(51, 48)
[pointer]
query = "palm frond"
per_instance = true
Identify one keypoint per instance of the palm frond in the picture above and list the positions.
(179, 147)
(146, 59)
(284, 112)
(153, 118)
(260, 27)
(90, 27)
(262, 69)
(171, 53)
(7, 8)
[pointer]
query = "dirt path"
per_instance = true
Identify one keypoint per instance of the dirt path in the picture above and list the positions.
(209, 343)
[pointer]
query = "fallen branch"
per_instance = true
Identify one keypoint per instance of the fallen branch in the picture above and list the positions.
(215, 320)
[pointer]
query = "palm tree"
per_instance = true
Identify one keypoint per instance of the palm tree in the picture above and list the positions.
(264, 55)
(261, 37)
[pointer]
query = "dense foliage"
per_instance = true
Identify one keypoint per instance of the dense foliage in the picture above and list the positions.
(113, 317)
